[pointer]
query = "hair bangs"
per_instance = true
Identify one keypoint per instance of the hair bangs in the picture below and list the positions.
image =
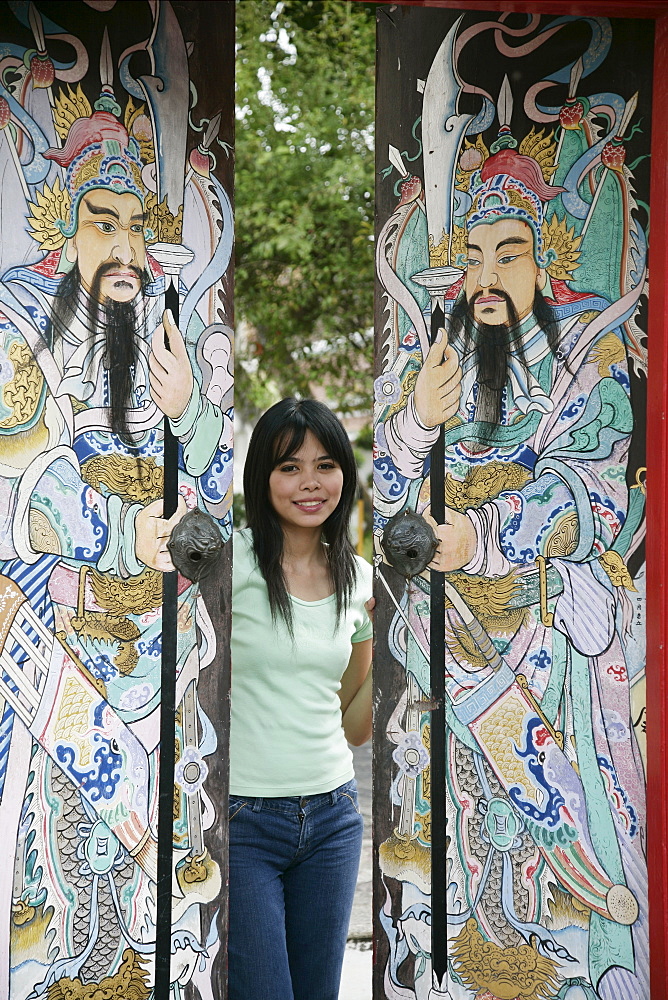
(289, 440)
(335, 441)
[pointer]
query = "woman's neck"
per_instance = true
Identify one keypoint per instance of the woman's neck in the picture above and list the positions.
(302, 546)
(305, 565)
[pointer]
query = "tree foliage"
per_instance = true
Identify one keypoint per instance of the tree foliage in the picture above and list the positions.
(304, 200)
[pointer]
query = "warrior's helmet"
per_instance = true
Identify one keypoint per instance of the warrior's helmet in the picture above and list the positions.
(98, 153)
(512, 184)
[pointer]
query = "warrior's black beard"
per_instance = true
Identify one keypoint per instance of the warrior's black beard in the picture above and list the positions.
(117, 322)
(493, 346)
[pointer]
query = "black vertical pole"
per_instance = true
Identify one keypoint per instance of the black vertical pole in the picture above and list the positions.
(439, 918)
(163, 934)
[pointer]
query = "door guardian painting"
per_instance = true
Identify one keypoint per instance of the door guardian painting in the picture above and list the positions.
(510, 393)
(115, 381)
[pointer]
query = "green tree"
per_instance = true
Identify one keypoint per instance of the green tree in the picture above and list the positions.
(304, 200)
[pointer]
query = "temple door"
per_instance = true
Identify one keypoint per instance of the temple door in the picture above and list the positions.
(519, 656)
(116, 483)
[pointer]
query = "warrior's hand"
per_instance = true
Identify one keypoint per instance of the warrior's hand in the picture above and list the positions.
(171, 376)
(438, 385)
(457, 541)
(153, 531)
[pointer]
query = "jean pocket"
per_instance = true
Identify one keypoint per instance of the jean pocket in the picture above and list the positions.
(351, 795)
(235, 806)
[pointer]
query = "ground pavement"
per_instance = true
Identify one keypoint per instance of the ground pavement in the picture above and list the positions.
(356, 979)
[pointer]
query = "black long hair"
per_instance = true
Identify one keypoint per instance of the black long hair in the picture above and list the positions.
(492, 344)
(278, 434)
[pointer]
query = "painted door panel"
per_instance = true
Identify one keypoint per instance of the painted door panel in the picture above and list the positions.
(513, 189)
(115, 203)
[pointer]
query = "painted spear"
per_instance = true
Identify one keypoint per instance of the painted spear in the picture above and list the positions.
(442, 131)
(201, 156)
(41, 66)
(43, 75)
(504, 112)
(167, 94)
(411, 187)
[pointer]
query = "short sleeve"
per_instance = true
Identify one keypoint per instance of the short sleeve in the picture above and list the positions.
(363, 591)
(365, 631)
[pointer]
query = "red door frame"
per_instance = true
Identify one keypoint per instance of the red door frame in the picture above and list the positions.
(657, 447)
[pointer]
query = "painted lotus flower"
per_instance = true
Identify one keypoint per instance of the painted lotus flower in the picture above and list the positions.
(410, 190)
(572, 113)
(613, 155)
(200, 161)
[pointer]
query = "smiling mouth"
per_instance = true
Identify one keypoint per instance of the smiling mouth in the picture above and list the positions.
(309, 504)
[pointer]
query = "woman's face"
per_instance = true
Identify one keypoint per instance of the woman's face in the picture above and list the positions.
(305, 488)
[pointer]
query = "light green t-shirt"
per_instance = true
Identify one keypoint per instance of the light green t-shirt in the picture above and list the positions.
(286, 736)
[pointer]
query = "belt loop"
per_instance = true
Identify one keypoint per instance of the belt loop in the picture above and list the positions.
(257, 805)
(333, 795)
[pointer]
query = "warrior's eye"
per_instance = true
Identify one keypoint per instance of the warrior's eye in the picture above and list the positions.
(106, 227)
(507, 260)
(138, 228)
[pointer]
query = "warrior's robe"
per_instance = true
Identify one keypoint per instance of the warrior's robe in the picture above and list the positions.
(547, 493)
(69, 496)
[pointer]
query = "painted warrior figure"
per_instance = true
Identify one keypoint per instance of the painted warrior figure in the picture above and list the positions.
(528, 381)
(86, 382)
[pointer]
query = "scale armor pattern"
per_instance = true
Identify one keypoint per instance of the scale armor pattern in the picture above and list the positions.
(469, 782)
(110, 940)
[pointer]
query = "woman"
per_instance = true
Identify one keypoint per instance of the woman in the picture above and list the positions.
(301, 688)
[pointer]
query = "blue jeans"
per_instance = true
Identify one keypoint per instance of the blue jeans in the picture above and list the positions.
(293, 869)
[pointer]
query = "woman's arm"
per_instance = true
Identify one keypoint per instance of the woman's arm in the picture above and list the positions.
(355, 694)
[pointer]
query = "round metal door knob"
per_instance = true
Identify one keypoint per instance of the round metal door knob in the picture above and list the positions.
(409, 543)
(195, 544)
